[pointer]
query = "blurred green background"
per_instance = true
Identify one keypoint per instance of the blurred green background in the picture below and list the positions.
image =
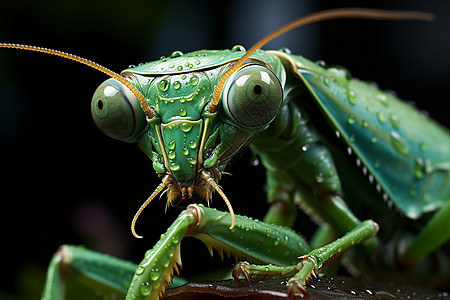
(65, 182)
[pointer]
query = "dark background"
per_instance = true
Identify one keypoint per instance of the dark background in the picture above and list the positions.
(63, 181)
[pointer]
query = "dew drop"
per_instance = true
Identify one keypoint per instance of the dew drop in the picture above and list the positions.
(171, 154)
(145, 289)
(176, 53)
(179, 68)
(154, 275)
(163, 85)
(351, 96)
(350, 120)
(321, 63)
(285, 50)
(399, 143)
(182, 112)
(319, 177)
(171, 65)
(185, 151)
(176, 85)
(395, 120)
(419, 168)
(326, 80)
(174, 166)
(254, 161)
(140, 270)
(193, 144)
(185, 126)
(382, 98)
(193, 80)
(381, 117)
(238, 48)
(171, 145)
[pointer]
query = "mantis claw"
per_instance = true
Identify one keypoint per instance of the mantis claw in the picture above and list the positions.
(240, 269)
(297, 288)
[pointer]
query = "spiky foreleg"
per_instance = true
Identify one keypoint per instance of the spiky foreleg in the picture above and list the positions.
(310, 263)
(156, 269)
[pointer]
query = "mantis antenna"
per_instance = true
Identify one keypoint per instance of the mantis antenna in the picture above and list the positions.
(145, 107)
(331, 14)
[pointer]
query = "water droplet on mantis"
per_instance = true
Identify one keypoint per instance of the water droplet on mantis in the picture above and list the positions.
(182, 112)
(145, 289)
(381, 117)
(140, 270)
(185, 151)
(154, 275)
(171, 154)
(174, 166)
(395, 120)
(176, 53)
(171, 145)
(238, 48)
(399, 143)
(382, 98)
(419, 168)
(319, 177)
(193, 80)
(326, 81)
(176, 85)
(351, 96)
(192, 144)
(351, 120)
(163, 85)
(186, 127)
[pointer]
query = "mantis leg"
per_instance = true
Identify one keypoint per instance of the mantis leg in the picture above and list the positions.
(280, 194)
(79, 263)
(310, 263)
(250, 239)
(433, 236)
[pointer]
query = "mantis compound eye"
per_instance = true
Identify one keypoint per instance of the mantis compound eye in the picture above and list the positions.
(117, 112)
(252, 96)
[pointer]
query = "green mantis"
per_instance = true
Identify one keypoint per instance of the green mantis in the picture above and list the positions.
(194, 119)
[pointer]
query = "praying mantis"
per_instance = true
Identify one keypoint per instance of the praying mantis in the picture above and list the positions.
(174, 57)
